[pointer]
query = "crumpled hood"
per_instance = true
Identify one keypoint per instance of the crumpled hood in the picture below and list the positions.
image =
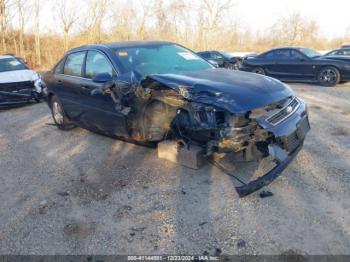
(18, 76)
(235, 91)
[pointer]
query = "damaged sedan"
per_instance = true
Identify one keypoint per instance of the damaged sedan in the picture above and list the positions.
(18, 84)
(156, 92)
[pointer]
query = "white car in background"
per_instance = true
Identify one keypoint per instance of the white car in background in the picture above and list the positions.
(18, 83)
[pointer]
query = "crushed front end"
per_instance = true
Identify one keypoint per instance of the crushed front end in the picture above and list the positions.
(19, 93)
(276, 131)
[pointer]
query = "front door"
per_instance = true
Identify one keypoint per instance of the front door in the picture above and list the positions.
(100, 110)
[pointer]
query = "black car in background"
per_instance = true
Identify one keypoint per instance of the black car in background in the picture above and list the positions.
(339, 52)
(223, 59)
(152, 91)
(299, 64)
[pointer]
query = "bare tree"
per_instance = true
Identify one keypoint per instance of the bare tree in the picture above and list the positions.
(211, 16)
(4, 23)
(95, 18)
(21, 6)
(294, 29)
(145, 13)
(37, 47)
(122, 20)
(67, 16)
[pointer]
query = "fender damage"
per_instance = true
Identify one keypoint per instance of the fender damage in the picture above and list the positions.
(263, 120)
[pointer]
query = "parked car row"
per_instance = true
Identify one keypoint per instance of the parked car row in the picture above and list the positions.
(291, 64)
(221, 59)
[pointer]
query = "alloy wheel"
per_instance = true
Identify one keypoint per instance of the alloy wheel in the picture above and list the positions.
(57, 113)
(259, 71)
(328, 76)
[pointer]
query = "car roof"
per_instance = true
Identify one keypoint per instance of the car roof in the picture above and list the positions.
(287, 47)
(206, 51)
(6, 56)
(125, 44)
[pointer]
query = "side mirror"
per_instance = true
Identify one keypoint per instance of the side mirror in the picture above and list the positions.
(106, 81)
(102, 78)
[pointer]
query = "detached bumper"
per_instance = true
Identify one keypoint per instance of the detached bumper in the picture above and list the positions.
(12, 99)
(269, 176)
(290, 136)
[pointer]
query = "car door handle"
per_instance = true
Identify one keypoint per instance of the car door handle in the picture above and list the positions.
(85, 90)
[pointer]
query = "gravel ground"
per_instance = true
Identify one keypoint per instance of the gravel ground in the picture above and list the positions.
(76, 192)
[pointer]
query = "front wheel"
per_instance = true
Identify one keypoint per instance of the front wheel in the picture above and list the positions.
(328, 76)
(58, 115)
(259, 70)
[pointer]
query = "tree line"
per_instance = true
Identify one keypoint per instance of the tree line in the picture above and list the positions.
(197, 24)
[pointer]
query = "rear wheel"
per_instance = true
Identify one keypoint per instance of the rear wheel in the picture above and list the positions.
(58, 115)
(328, 76)
(259, 70)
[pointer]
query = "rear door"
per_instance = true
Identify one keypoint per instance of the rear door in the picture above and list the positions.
(280, 67)
(299, 66)
(290, 64)
(100, 110)
(67, 83)
(267, 62)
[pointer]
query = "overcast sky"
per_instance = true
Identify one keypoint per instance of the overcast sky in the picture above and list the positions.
(333, 16)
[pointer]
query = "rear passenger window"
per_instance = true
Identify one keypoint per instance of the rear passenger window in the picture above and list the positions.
(282, 54)
(74, 64)
(97, 63)
(270, 55)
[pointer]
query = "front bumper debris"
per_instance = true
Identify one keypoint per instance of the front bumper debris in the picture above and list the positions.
(293, 144)
(21, 93)
(269, 176)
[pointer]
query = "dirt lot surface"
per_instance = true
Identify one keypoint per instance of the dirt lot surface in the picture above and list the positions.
(76, 192)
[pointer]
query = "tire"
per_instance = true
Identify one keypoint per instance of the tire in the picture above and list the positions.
(58, 115)
(258, 70)
(328, 76)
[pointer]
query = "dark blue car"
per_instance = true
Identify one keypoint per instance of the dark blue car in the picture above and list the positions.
(153, 91)
(221, 58)
(299, 64)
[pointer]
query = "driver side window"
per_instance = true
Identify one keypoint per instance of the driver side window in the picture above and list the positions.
(296, 55)
(97, 63)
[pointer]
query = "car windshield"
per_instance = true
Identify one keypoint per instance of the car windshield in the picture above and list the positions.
(11, 64)
(159, 59)
(309, 52)
(226, 54)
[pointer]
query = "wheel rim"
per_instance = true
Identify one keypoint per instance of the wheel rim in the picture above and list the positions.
(259, 71)
(328, 76)
(57, 113)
